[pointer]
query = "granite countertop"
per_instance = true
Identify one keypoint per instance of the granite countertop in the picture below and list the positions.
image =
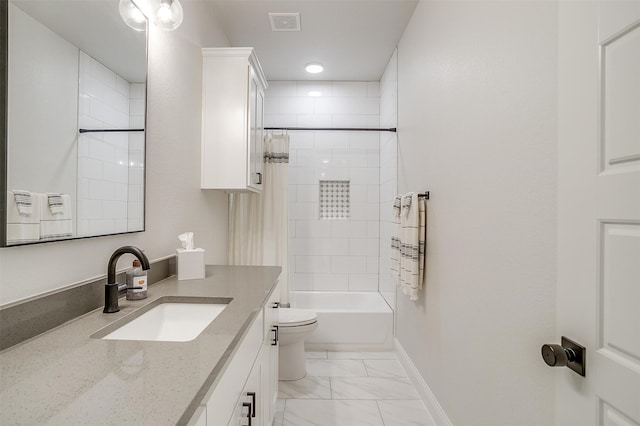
(66, 377)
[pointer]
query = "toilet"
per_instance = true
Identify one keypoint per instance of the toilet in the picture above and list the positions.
(294, 326)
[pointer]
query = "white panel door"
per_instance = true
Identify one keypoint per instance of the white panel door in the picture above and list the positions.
(599, 210)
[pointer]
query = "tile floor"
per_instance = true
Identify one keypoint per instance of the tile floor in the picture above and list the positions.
(351, 389)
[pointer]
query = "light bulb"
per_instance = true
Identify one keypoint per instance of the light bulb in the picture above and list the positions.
(169, 14)
(314, 68)
(132, 16)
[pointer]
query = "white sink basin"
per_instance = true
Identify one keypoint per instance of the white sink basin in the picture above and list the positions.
(169, 322)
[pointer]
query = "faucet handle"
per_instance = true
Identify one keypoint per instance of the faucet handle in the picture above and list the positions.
(123, 287)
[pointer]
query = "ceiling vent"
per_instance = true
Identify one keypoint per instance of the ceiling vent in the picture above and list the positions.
(284, 21)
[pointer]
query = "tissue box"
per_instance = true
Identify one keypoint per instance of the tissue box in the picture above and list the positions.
(190, 264)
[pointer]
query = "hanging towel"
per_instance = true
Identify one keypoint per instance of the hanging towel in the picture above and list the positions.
(22, 228)
(56, 203)
(24, 202)
(394, 264)
(412, 244)
(54, 225)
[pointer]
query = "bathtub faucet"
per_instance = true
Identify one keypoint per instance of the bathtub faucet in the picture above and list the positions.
(112, 288)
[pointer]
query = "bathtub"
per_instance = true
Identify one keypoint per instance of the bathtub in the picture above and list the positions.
(347, 321)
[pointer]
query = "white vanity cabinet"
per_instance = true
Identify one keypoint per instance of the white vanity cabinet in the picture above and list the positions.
(233, 86)
(247, 391)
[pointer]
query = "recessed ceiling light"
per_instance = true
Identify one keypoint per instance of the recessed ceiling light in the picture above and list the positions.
(314, 68)
(314, 93)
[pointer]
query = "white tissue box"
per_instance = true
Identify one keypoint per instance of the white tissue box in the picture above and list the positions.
(190, 264)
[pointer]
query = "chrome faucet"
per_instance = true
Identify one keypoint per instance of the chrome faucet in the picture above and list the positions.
(112, 288)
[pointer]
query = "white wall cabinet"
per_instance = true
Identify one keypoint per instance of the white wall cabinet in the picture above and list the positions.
(233, 86)
(247, 392)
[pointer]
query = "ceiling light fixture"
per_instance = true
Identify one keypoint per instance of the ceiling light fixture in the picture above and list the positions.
(132, 16)
(169, 14)
(314, 93)
(314, 68)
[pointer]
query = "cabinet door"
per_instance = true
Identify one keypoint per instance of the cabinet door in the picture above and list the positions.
(271, 348)
(249, 408)
(256, 130)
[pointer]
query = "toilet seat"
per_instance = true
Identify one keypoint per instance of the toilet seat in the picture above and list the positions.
(291, 317)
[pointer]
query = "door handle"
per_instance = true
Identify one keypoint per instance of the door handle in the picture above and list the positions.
(567, 354)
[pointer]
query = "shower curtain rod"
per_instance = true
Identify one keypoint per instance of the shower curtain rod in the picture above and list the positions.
(342, 129)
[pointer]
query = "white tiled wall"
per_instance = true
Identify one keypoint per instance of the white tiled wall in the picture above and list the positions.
(388, 173)
(135, 214)
(110, 172)
(331, 254)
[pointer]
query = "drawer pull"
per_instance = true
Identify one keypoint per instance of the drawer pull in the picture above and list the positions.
(276, 305)
(253, 403)
(248, 405)
(275, 340)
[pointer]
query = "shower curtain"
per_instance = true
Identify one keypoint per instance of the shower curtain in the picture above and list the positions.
(258, 228)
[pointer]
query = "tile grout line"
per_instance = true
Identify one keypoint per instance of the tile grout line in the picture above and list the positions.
(380, 412)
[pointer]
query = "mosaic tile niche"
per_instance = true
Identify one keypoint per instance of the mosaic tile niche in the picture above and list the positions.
(334, 199)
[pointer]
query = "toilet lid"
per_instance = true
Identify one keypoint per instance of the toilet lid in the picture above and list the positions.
(291, 317)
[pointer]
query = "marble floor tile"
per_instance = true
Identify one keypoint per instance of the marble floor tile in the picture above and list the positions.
(384, 368)
(309, 412)
(405, 413)
(315, 354)
(307, 387)
(362, 355)
(335, 368)
(372, 388)
(279, 415)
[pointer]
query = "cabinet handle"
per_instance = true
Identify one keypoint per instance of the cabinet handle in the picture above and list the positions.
(259, 178)
(275, 340)
(248, 405)
(276, 305)
(253, 403)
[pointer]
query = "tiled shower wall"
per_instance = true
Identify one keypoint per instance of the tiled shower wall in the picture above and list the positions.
(104, 163)
(331, 254)
(388, 173)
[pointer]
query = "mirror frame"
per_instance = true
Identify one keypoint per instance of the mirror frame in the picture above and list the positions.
(4, 143)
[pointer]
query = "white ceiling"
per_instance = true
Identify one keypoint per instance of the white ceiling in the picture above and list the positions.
(353, 39)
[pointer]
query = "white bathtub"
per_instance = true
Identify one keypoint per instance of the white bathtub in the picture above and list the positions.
(347, 321)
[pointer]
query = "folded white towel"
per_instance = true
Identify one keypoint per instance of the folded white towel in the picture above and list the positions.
(56, 203)
(62, 210)
(54, 229)
(405, 203)
(396, 205)
(23, 202)
(23, 228)
(22, 232)
(13, 210)
(56, 225)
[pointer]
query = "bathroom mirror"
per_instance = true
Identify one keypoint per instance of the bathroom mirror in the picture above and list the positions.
(72, 139)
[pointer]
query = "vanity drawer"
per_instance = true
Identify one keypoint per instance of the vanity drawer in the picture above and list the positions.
(222, 402)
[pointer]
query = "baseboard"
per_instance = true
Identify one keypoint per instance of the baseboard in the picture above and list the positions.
(426, 395)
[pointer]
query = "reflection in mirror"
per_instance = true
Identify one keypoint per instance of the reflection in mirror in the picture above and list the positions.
(76, 87)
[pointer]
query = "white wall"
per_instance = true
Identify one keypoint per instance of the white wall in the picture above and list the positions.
(47, 98)
(174, 202)
(477, 128)
(330, 254)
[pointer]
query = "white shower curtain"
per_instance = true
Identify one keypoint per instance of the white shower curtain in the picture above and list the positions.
(258, 229)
